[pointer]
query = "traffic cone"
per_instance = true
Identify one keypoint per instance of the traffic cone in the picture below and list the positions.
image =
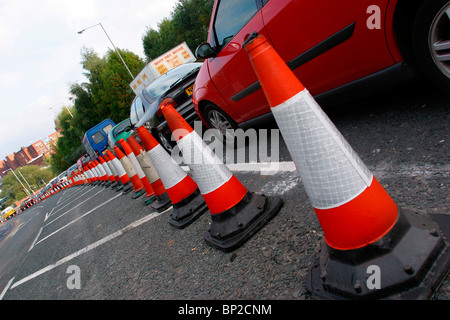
(162, 199)
(95, 177)
(131, 172)
(236, 213)
(150, 194)
(114, 174)
(103, 175)
(188, 203)
(363, 226)
(108, 171)
(125, 182)
(103, 172)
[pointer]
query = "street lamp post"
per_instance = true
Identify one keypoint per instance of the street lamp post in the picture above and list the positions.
(25, 189)
(27, 183)
(117, 51)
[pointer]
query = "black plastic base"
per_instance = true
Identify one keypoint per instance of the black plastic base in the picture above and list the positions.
(127, 188)
(185, 212)
(138, 193)
(149, 199)
(161, 203)
(230, 229)
(412, 261)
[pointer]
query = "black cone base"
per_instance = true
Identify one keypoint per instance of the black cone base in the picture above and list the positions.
(149, 199)
(185, 212)
(230, 229)
(161, 203)
(138, 193)
(410, 262)
(127, 188)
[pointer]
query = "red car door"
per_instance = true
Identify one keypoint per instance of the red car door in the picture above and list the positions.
(329, 43)
(231, 71)
(326, 43)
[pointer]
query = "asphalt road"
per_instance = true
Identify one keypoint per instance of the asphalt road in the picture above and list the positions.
(122, 250)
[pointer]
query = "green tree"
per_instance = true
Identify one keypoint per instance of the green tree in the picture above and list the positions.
(106, 94)
(188, 23)
(36, 176)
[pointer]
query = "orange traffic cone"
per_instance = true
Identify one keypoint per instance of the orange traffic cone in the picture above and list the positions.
(123, 179)
(115, 177)
(108, 171)
(362, 224)
(103, 172)
(138, 186)
(236, 213)
(188, 203)
(162, 199)
(150, 194)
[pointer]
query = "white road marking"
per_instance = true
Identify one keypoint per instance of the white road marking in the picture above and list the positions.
(86, 249)
(65, 226)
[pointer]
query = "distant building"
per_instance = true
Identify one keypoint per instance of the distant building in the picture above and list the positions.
(31, 155)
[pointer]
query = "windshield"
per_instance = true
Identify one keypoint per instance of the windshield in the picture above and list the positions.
(121, 127)
(155, 89)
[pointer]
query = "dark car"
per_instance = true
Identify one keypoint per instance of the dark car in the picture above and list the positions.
(176, 84)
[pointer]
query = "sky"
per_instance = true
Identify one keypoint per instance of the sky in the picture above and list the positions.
(40, 55)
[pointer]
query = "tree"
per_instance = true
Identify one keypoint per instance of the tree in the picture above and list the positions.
(36, 176)
(106, 94)
(188, 23)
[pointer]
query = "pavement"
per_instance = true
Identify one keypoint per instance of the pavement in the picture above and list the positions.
(124, 251)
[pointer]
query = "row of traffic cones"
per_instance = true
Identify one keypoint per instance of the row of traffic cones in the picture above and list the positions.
(362, 224)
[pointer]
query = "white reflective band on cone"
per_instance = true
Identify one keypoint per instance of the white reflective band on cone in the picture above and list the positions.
(106, 168)
(170, 175)
(136, 165)
(331, 171)
(147, 166)
(208, 171)
(128, 166)
(112, 168)
(119, 167)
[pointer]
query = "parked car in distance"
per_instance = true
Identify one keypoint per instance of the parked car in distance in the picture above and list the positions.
(336, 49)
(176, 84)
(95, 140)
(8, 213)
(120, 131)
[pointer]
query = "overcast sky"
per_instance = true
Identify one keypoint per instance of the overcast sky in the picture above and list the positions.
(40, 55)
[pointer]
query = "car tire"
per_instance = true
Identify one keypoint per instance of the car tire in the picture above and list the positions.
(431, 41)
(165, 142)
(216, 118)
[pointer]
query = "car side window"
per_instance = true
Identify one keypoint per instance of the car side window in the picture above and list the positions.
(140, 110)
(231, 16)
(97, 137)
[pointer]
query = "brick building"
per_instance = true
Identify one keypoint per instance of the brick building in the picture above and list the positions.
(31, 155)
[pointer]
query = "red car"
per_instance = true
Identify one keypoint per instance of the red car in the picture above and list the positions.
(334, 47)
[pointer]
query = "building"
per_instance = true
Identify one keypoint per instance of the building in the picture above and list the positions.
(31, 155)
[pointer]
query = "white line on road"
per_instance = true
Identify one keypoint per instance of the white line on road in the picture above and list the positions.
(87, 248)
(65, 226)
(72, 208)
(37, 237)
(6, 288)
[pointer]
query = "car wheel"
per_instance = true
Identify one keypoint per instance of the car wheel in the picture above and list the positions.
(216, 118)
(165, 143)
(431, 42)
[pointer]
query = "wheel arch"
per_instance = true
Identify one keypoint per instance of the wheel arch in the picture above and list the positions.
(403, 21)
